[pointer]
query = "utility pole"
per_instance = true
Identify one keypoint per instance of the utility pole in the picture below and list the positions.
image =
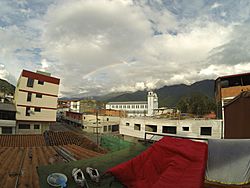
(97, 131)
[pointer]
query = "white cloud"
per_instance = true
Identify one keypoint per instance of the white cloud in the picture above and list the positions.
(216, 5)
(104, 46)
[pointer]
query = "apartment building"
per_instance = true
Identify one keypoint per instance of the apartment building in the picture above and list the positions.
(7, 118)
(137, 108)
(36, 101)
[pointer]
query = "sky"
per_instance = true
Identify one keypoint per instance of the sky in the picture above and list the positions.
(102, 46)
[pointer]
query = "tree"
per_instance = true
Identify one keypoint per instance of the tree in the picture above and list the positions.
(197, 104)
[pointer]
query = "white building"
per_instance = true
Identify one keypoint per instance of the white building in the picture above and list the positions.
(137, 108)
(195, 128)
(36, 101)
(75, 106)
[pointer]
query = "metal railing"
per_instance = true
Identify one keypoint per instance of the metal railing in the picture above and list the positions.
(171, 135)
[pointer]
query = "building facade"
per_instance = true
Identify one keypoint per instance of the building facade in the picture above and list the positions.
(7, 118)
(237, 117)
(137, 108)
(36, 102)
(194, 128)
(93, 123)
(226, 89)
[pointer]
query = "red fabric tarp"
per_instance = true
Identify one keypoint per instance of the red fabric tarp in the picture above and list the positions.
(169, 163)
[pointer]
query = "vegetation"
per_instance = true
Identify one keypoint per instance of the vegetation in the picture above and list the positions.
(169, 96)
(6, 87)
(197, 103)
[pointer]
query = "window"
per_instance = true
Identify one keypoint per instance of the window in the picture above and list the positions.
(24, 126)
(127, 124)
(105, 129)
(133, 106)
(40, 82)
(109, 127)
(169, 129)
(137, 127)
(107, 119)
(151, 128)
(84, 117)
(6, 115)
(27, 111)
(37, 109)
(185, 128)
(29, 96)
(30, 82)
(6, 130)
(128, 106)
(206, 131)
(36, 126)
(115, 128)
(39, 95)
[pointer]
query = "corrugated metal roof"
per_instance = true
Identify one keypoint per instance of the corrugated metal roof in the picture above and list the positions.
(244, 94)
(233, 75)
(8, 107)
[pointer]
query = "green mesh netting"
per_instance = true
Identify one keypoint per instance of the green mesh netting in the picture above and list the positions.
(113, 143)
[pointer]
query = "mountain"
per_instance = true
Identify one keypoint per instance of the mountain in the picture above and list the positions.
(6, 87)
(170, 95)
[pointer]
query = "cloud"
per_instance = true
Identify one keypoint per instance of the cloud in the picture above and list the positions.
(216, 5)
(103, 46)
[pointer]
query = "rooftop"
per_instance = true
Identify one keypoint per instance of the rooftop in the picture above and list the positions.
(40, 76)
(20, 155)
(233, 75)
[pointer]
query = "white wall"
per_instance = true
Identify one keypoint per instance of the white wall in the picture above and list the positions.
(132, 109)
(75, 106)
(194, 127)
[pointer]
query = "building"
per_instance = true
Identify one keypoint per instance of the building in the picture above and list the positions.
(237, 117)
(75, 106)
(106, 124)
(228, 87)
(7, 118)
(137, 108)
(62, 107)
(194, 128)
(93, 123)
(36, 101)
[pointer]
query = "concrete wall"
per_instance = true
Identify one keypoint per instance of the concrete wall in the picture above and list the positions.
(48, 88)
(8, 123)
(89, 122)
(44, 115)
(127, 127)
(43, 127)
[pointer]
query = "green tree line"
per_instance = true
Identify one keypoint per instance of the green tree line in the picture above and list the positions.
(197, 104)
